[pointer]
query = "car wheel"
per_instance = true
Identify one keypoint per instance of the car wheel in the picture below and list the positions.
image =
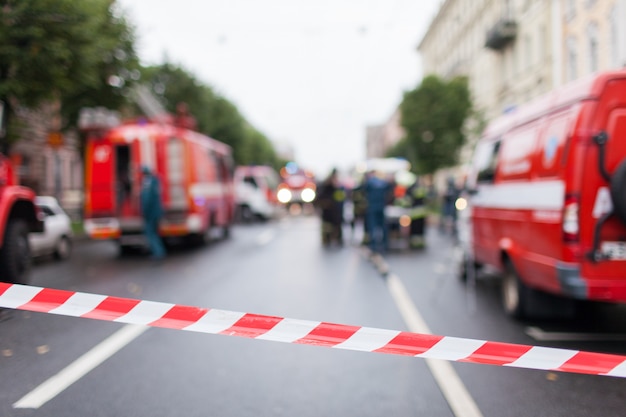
(15, 258)
(514, 292)
(63, 249)
(246, 214)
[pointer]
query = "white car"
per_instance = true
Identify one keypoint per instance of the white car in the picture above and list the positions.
(255, 188)
(56, 239)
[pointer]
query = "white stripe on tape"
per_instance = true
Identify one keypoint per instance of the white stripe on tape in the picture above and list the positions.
(79, 304)
(368, 339)
(289, 330)
(543, 358)
(215, 321)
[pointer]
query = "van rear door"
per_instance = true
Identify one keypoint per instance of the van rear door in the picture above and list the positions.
(602, 227)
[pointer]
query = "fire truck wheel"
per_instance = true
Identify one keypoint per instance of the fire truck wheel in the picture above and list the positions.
(618, 191)
(15, 259)
(514, 292)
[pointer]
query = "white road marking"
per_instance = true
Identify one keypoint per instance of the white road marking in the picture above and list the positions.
(542, 335)
(79, 368)
(265, 237)
(459, 399)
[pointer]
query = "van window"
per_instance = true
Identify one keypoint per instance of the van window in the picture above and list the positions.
(486, 161)
(517, 152)
(550, 155)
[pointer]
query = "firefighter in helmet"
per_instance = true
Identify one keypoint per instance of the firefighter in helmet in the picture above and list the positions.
(414, 200)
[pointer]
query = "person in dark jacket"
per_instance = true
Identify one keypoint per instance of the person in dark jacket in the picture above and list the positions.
(330, 200)
(449, 213)
(152, 211)
(378, 193)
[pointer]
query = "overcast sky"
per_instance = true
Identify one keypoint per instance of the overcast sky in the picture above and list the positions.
(311, 73)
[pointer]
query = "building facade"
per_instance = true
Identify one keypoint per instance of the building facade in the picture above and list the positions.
(380, 138)
(515, 50)
(47, 160)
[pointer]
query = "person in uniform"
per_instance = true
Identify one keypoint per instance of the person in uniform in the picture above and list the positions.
(330, 200)
(152, 211)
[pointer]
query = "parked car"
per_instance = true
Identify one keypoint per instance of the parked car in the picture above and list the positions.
(57, 237)
(256, 187)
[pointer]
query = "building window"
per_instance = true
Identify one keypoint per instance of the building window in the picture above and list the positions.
(528, 51)
(592, 38)
(613, 38)
(572, 59)
(543, 43)
(570, 9)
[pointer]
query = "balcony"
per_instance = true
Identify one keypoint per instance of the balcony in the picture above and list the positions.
(501, 34)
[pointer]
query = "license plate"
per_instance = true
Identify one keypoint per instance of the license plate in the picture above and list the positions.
(614, 250)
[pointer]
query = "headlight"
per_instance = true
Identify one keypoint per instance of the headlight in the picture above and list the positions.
(284, 195)
(405, 221)
(308, 195)
(460, 203)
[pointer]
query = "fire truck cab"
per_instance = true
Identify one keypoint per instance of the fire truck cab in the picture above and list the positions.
(547, 190)
(18, 217)
(195, 172)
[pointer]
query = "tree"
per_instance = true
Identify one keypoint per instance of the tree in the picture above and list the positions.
(116, 69)
(216, 116)
(61, 50)
(433, 116)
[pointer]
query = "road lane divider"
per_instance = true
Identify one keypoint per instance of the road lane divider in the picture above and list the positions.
(340, 336)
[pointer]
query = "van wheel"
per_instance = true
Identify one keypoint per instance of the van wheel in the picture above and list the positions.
(514, 292)
(15, 259)
(618, 191)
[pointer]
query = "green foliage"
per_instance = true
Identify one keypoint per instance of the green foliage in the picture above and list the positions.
(216, 116)
(83, 54)
(117, 66)
(62, 49)
(433, 116)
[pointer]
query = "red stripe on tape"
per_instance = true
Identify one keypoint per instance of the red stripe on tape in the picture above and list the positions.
(591, 363)
(111, 308)
(410, 344)
(3, 287)
(328, 334)
(46, 300)
(497, 353)
(252, 325)
(179, 317)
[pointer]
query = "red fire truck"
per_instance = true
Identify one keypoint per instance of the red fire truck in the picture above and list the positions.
(18, 217)
(196, 174)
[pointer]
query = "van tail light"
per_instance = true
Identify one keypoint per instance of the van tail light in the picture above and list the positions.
(571, 224)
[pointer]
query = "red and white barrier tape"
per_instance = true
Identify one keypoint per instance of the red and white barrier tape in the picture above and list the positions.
(204, 320)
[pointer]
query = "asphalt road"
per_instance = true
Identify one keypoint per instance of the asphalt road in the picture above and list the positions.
(280, 268)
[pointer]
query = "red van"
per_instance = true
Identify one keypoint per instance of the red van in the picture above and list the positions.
(196, 174)
(548, 198)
